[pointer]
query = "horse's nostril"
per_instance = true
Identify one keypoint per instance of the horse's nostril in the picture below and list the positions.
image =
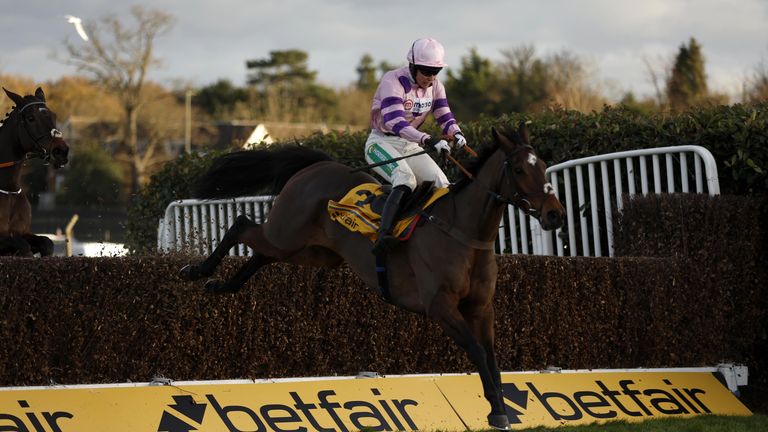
(554, 218)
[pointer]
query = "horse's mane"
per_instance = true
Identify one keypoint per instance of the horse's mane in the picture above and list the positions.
(13, 108)
(483, 154)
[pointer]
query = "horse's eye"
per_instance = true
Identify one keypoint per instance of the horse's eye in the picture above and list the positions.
(518, 170)
(30, 119)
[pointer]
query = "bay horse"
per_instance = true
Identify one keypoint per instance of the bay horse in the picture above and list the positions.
(446, 271)
(28, 131)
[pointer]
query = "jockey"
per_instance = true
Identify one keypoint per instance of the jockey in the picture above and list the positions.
(403, 99)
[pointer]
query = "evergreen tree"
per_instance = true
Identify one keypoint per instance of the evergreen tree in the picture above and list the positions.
(286, 88)
(281, 68)
(472, 89)
(366, 73)
(385, 66)
(219, 99)
(687, 84)
(93, 178)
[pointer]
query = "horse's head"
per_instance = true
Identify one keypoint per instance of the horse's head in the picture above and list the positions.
(37, 131)
(524, 183)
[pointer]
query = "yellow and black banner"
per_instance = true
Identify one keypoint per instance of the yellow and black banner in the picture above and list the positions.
(447, 403)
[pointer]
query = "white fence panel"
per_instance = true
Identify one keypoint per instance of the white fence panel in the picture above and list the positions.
(590, 199)
(198, 226)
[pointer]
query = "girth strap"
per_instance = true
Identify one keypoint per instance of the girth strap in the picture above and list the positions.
(381, 275)
(457, 234)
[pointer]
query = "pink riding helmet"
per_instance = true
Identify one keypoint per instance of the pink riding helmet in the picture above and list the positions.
(427, 52)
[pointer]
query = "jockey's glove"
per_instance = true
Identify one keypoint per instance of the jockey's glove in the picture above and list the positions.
(458, 140)
(438, 144)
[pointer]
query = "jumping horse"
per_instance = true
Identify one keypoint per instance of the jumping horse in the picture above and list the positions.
(28, 131)
(447, 269)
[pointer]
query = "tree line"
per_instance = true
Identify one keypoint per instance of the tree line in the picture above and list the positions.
(125, 127)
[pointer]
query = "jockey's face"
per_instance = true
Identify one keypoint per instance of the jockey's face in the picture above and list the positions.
(424, 81)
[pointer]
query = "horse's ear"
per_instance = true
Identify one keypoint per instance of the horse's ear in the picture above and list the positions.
(39, 94)
(494, 133)
(522, 130)
(17, 99)
(503, 142)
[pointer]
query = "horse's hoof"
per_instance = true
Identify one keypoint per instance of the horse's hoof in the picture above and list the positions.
(498, 421)
(190, 272)
(46, 247)
(214, 286)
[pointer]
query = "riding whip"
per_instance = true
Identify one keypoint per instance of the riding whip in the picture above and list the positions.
(374, 165)
(390, 161)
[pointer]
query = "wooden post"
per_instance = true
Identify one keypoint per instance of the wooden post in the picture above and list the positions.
(68, 233)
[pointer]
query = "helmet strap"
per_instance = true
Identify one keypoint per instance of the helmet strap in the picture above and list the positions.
(412, 69)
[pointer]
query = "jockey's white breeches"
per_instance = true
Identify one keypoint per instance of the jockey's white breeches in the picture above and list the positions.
(410, 171)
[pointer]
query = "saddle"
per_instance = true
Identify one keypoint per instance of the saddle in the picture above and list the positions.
(360, 209)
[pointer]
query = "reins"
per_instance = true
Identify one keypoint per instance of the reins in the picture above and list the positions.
(517, 199)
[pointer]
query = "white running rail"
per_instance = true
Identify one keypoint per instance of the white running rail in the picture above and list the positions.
(198, 225)
(589, 202)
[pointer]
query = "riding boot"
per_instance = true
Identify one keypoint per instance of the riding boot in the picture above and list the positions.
(385, 241)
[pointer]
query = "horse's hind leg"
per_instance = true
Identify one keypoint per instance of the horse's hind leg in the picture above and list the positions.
(231, 238)
(39, 244)
(243, 274)
(15, 245)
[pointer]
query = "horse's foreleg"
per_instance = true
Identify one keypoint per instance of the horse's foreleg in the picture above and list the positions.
(481, 323)
(39, 244)
(231, 238)
(243, 274)
(454, 325)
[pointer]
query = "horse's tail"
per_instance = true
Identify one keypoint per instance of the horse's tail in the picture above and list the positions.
(254, 172)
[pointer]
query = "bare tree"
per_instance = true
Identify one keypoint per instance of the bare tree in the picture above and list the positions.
(657, 78)
(573, 83)
(757, 86)
(118, 57)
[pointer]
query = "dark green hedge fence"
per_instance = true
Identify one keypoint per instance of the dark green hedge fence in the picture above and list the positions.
(736, 135)
(85, 320)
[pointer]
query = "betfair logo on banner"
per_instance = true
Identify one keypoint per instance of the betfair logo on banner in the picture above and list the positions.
(555, 399)
(605, 402)
(384, 415)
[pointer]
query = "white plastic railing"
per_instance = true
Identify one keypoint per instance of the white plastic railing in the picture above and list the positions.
(198, 226)
(589, 214)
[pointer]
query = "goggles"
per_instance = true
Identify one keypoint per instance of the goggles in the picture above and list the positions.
(428, 70)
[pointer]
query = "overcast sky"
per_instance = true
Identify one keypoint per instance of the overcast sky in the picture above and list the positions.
(212, 39)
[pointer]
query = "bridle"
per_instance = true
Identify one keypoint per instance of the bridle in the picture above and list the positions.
(517, 199)
(37, 147)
